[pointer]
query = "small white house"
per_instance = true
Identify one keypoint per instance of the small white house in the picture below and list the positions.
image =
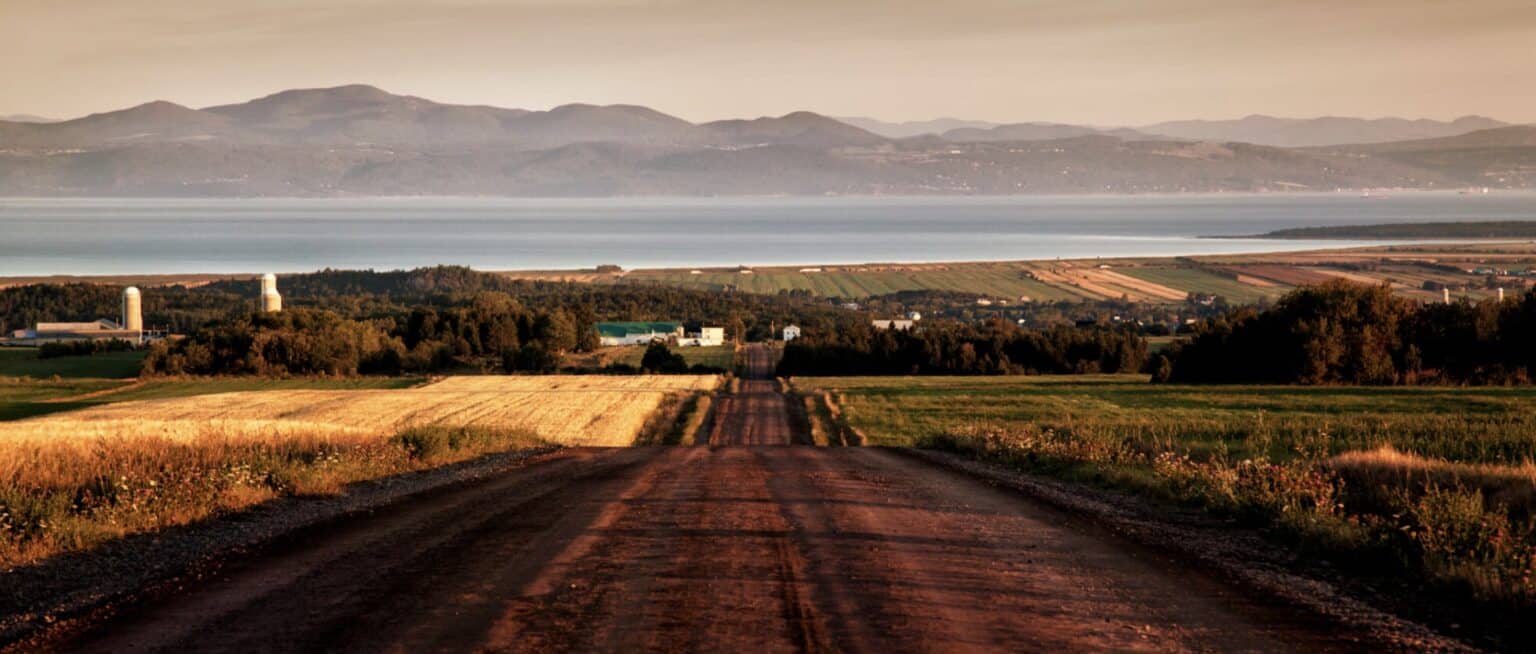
(791, 333)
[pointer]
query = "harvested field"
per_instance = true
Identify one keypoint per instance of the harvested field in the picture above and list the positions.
(1236, 288)
(71, 481)
(1281, 274)
(575, 410)
(1348, 275)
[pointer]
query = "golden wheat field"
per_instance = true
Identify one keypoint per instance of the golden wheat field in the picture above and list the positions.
(571, 410)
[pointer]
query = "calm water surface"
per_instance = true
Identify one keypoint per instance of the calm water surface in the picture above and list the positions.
(107, 236)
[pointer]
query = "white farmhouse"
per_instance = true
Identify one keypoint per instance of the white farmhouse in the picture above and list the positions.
(791, 333)
(705, 337)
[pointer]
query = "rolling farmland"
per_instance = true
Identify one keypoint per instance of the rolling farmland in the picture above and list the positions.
(1238, 278)
(773, 548)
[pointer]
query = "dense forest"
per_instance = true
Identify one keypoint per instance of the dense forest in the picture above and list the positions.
(486, 327)
(1347, 333)
(992, 347)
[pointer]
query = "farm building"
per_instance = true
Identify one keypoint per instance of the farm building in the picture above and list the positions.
(705, 337)
(56, 332)
(898, 325)
(129, 327)
(638, 333)
(791, 333)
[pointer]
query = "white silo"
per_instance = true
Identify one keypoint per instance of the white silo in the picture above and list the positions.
(133, 313)
(271, 300)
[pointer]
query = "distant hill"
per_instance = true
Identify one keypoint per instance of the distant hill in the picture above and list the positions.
(1503, 157)
(360, 115)
(1303, 132)
(1520, 229)
(799, 128)
(360, 140)
(1037, 132)
(26, 118)
(913, 128)
(1513, 136)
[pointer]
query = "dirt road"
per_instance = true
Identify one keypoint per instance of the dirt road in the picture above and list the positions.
(756, 414)
(716, 549)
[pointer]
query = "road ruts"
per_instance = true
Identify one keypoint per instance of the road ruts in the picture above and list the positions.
(714, 549)
(757, 413)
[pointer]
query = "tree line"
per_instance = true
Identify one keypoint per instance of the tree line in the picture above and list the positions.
(486, 329)
(374, 296)
(991, 347)
(1346, 333)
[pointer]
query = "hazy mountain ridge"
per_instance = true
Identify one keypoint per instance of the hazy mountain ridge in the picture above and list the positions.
(359, 140)
(26, 118)
(911, 128)
(1327, 130)
(1040, 132)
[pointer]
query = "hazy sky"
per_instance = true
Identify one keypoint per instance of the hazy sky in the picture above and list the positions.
(1108, 62)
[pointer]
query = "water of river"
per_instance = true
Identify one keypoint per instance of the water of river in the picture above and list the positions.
(114, 236)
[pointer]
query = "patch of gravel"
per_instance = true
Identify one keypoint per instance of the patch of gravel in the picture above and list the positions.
(1238, 555)
(70, 588)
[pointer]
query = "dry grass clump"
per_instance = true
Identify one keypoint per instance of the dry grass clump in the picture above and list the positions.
(1467, 526)
(72, 494)
(1512, 487)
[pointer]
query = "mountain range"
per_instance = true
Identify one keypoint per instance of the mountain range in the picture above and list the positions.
(1257, 129)
(360, 140)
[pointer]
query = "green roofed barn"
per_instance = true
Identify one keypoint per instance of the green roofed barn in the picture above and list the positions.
(638, 333)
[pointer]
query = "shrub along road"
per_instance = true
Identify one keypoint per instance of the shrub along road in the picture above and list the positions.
(761, 548)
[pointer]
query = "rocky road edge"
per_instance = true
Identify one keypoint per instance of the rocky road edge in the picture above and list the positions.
(1240, 556)
(73, 589)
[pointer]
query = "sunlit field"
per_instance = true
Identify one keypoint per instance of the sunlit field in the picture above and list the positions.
(72, 480)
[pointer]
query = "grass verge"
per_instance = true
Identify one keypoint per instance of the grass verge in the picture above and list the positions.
(73, 494)
(1429, 493)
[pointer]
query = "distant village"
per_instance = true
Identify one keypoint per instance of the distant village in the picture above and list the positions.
(129, 327)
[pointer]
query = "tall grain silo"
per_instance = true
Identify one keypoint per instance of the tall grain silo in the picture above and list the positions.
(271, 300)
(133, 313)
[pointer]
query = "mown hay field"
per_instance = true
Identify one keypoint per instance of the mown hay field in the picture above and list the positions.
(71, 481)
(570, 410)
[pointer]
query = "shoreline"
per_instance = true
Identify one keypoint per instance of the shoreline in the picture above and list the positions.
(1411, 250)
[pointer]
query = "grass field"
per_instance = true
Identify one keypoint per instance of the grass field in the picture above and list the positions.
(72, 480)
(1487, 425)
(23, 362)
(1004, 281)
(1435, 484)
(25, 398)
(722, 357)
